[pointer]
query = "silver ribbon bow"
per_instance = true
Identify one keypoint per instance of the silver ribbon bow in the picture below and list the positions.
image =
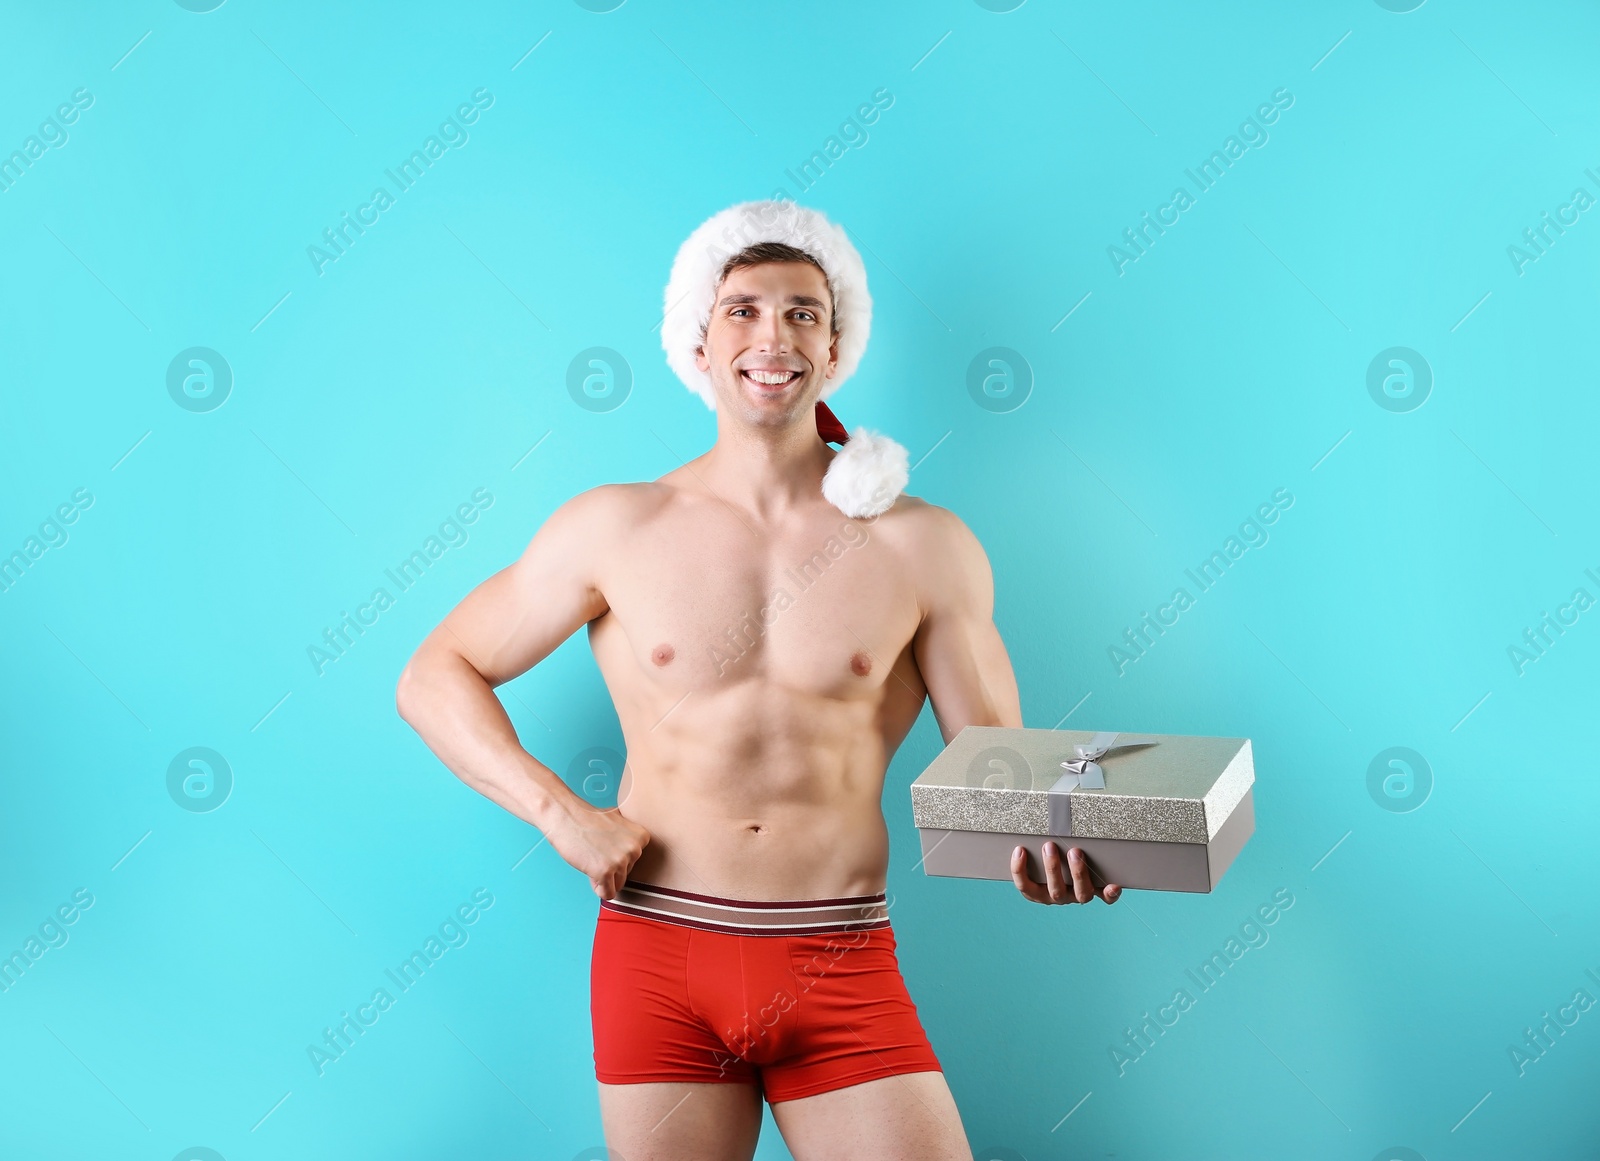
(1083, 772)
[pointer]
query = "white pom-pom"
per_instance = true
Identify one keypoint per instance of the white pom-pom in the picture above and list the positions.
(867, 475)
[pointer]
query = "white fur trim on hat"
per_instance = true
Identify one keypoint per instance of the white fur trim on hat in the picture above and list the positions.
(871, 471)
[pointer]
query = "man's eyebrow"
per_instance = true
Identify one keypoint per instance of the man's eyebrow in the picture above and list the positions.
(794, 299)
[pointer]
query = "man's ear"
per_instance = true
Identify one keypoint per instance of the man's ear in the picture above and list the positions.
(700, 359)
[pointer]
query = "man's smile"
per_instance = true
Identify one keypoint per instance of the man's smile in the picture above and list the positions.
(773, 380)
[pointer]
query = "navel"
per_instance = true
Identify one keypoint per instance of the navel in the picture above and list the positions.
(861, 663)
(663, 654)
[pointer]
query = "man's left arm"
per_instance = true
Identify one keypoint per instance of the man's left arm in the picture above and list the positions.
(957, 647)
(970, 681)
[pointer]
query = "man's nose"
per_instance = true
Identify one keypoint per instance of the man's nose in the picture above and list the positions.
(775, 333)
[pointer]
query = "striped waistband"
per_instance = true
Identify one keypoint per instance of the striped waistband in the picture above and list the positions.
(749, 917)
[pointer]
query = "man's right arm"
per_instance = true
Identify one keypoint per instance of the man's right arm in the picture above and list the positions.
(503, 628)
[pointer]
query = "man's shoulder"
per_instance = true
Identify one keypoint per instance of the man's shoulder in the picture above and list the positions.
(926, 527)
(599, 518)
(616, 504)
(949, 565)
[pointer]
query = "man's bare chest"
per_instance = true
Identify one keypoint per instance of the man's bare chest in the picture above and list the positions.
(827, 609)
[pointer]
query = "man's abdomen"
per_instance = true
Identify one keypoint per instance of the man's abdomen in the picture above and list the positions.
(758, 789)
(783, 852)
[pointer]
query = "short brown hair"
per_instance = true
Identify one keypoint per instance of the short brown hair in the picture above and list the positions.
(761, 252)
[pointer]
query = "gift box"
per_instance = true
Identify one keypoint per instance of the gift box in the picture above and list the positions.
(1156, 812)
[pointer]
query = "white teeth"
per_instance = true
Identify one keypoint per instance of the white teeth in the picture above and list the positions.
(772, 378)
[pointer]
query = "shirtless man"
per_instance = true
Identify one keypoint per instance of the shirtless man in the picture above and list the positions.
(758, 731)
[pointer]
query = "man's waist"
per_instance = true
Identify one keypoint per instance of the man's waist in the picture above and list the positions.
(749, 916)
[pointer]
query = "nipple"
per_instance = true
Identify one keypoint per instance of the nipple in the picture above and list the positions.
(663, 654)
(861, 663)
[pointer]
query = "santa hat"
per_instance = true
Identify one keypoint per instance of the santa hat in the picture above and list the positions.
(870, 470)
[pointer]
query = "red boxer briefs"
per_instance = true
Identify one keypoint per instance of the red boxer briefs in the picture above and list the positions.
(800, 997)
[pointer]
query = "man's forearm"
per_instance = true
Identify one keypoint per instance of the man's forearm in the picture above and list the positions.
(456, 712)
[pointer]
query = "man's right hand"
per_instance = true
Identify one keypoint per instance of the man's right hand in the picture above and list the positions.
(1056, 888)
(603, 844)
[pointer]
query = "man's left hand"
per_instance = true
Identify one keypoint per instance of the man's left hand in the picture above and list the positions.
(1056, 888)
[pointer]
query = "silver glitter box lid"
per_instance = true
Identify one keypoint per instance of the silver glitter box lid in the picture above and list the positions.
(998, 778)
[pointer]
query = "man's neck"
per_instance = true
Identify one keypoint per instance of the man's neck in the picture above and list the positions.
(768, 471)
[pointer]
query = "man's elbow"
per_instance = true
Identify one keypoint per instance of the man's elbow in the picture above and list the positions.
(434, 671)
(408, 690)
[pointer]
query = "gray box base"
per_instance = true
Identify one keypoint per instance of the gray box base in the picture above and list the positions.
(1145, 866)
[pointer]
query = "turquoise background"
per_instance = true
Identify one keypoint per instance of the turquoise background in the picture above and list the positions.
(1166, 402)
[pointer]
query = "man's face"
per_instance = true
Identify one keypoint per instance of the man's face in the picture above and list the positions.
(773, 321)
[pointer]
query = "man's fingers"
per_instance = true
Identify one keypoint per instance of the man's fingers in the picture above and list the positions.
(1055, 877)
(1019, 876)
(1109, 892)
(1081, 886)
(1056, 889)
